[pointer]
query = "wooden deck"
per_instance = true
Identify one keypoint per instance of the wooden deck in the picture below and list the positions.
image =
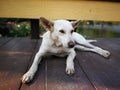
(93, 72)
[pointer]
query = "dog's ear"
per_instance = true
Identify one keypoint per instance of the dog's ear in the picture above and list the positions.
(76, 23)
(48, 25)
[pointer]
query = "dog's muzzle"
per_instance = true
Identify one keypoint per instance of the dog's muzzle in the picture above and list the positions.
(71, 44)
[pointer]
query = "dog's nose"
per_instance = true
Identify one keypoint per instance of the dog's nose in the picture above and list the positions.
(71, 44)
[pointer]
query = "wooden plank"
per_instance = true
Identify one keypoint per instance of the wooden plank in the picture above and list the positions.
(38, 82)
(4, 40)
(14, 57)
(57, 79)
(113, 45)
(113, 65)
(65, 9)
(101, 72)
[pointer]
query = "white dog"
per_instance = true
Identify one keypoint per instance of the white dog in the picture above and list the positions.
(61, 40)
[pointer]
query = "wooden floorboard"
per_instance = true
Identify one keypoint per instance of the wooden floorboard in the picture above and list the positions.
(14, 57)
(93, 72)
(58, 80)
(113, 65)
(4, 40)
(38, 82)
(103, 73)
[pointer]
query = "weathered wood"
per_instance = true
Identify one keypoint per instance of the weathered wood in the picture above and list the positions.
(38, 82)
(93, 72)
(4, 40)
(61, 9)
(57, 79)
(34, 28)
(14, 57)
(100, 71)
(112, 66)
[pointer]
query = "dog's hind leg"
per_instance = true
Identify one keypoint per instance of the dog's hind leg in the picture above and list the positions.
(91, 41)
(79, 39)
(83, 44)
(28, 76)
(97, 50)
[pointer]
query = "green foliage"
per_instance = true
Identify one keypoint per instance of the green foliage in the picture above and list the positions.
(16, 27)
(3, 21)
(19, 30)
(97, 33)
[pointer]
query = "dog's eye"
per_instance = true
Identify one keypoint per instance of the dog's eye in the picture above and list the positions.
(62, 31)
(72, 31)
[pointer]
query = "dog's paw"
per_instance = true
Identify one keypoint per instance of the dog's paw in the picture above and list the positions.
(70, 71)
(27, 77)
(106, 54)
(102, 52)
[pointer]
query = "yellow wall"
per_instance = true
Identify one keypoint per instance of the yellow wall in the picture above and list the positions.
(61, 9)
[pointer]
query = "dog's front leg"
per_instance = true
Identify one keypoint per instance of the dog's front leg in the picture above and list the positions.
(69, 63)
(28, 76)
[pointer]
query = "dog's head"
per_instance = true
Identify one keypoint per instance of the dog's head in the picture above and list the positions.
(61, 31)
